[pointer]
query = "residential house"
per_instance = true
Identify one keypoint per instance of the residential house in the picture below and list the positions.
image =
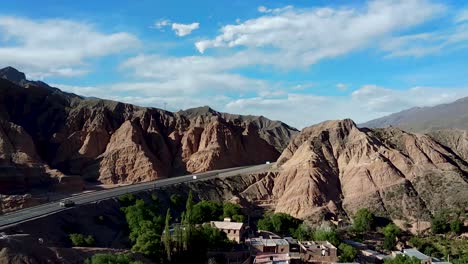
(234, 230)
(318, 252)
(272, 258)
(371, 256)
(412, 252)
(268, 245)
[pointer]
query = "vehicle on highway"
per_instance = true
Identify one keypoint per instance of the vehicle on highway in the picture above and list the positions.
(194, 177)
(67, 203)
(267, 162)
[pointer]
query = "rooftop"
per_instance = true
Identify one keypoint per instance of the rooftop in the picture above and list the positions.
(227, 225)
(355, 244)
(412, 252)
(272, 258)
(375, 254)
(316, 244)
(268, 242)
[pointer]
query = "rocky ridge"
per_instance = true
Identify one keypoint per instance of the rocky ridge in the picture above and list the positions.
(337, 167)
(59, 133)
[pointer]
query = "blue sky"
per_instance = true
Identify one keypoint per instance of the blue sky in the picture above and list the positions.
(301, 62)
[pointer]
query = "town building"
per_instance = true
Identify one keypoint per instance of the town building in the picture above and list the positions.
(412, 252)
(293, 244)
(371, 256)
(272, 258)
(234, 230)
(318, 252)
(268, 245)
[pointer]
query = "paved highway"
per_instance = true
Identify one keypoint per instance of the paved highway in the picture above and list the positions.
(54, 207)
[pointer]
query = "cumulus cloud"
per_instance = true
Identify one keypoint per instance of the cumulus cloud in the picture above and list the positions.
(184, 29)
(56, 47)
(309, 35)
(179, 28)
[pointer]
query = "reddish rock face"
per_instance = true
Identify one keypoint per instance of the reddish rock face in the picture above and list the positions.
(337, 167)
(115, 143)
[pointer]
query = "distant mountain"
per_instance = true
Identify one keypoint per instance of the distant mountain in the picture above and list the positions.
(424, 119)
(45, 132)
(337, 167)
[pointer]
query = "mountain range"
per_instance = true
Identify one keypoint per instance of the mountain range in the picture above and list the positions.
(46, 133)
(334, 167)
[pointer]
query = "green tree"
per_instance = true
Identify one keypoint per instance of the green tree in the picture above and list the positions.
(167, 235)
(456, 226)
(89, 240)
(176, 200)
(145, 227)
(111, 258)
(439, 223)
(363, 220)
(233, 211)
(391, 233)
(206, 211)
(327, 235)
(402, 259)
(127, 199)
(279, 223)
(347, 253)
(303, 232)
(79, 240)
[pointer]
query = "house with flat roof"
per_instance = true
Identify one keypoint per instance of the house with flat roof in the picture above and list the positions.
(234, 230)
(268, 245)
(272, 258)
(318, 252)
(355, 244)
(372, 256)
(412, 252)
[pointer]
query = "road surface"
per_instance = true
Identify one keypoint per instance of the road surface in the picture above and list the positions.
(30, 213)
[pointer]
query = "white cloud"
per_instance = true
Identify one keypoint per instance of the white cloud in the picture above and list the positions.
(296, 109)
(160, 24)
(366, 103)
(306, 36)
(184, 29)
(342, 86)
(56, 47)
(264, 9)
(422, 44)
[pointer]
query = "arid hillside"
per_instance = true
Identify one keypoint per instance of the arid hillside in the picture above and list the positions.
(47, 133)
(337, 167)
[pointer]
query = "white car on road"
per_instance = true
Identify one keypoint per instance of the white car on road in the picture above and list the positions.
(194, 177)
(66, 203)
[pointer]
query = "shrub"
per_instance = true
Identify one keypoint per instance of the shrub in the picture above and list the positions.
(111, 258)
(176, 200)
(363, 220)
(347, 253)
(279, 223)
(391, 232)
(79, 240)
(206, 211)
(402, 259)
(439, 224)
(327, 235)
(127, 199)
(233, 211)
(456, 226)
